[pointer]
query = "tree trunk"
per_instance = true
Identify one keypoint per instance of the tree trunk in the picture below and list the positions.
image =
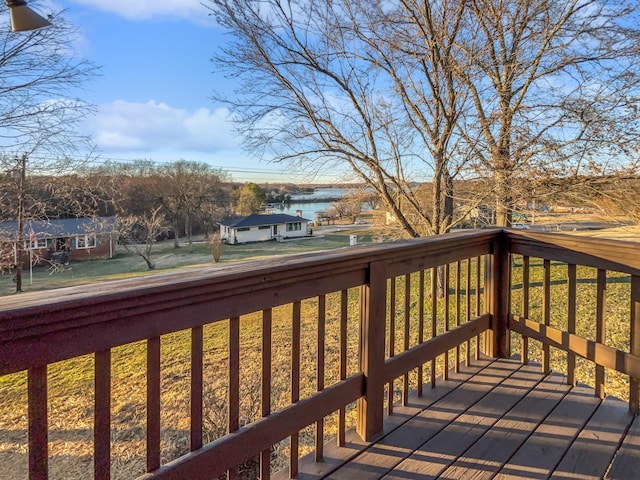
(176, 234)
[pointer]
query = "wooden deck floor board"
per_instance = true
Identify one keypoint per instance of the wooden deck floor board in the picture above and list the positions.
(544, 449)
(591, 453)
(485, 457)
(626, 463)
(434, 456)
(379, 459)
(507, 421)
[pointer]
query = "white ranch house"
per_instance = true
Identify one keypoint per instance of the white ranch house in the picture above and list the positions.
(262, 228)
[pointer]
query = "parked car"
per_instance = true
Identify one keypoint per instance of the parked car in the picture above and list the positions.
(520, 226)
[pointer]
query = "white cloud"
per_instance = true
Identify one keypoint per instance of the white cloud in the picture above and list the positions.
(149, 9)
(127, 126)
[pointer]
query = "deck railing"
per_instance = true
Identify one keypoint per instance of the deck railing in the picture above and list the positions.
(364, 325)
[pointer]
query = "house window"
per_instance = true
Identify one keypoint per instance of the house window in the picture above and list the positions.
(85, 241)
(291, 227)
(37, 244)
(264, 227)
(243, 229)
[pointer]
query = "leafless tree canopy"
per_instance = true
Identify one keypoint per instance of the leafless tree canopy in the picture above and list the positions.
(408, 92)
(38, 70)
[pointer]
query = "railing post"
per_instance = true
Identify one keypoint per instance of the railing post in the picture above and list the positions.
(373, 305)
(497, 291)
(634, 383)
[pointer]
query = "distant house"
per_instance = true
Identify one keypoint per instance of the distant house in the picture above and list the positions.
(261, 228)
(67, 239)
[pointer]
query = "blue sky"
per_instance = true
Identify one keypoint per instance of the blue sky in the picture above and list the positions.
(154, 95)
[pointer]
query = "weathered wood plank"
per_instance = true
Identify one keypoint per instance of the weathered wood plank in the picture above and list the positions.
(434, 456)
(626, 463)
(542, 451)
(591, 453)
(393, 448)
(485, 457)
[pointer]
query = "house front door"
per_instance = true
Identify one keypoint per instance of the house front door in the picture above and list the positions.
(275, 230)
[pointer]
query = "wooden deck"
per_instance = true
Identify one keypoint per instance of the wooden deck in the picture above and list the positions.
(496, 419)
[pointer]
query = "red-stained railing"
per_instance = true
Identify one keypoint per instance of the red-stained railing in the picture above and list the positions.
(307, 336)
(383, 295)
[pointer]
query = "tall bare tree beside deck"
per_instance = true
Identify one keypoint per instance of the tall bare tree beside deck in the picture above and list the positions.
(554, 88)
(357, 87)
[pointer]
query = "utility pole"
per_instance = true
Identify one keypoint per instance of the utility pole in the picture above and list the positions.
(20, 239)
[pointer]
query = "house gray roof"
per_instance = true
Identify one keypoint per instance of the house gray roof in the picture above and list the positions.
(56, 228)
(257, 220)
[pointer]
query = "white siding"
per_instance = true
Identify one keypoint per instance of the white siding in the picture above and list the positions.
(257, 234)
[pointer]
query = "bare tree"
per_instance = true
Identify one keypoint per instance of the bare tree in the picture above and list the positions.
(138, 233)
(553, 87)
(353, 86)
(188, 188)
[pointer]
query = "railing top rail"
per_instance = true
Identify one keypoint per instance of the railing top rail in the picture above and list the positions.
(348, 258)
(618, 255)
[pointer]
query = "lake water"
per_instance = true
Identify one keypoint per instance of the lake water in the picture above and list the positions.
(309, 209)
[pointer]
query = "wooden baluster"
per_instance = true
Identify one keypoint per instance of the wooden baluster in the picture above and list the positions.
(233, 420)
(38, 428)
(373, 305)
(420, 327)
(265, 455)
(102, 416)
(153, 403)
(295, 384)
(571, 321)
(546, 312)
(434, 318)
(320, 372)
(407, 316)
(197, 346)
(445, 286)
(478, 273)
(525, 306)
(457, 310)
(342, 414)
(601, 285)
(634, 383)
(392, 340)
(467, 298)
